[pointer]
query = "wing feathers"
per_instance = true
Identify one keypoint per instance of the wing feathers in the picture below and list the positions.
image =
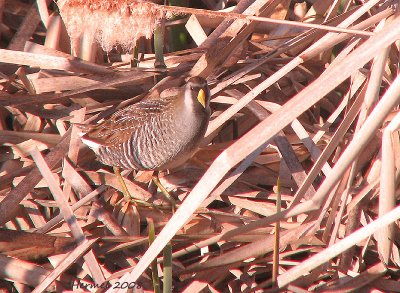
(119, 127)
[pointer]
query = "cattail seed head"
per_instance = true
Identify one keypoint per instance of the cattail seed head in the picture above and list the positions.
(111, 22)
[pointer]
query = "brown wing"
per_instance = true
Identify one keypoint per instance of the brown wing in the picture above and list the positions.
(119, 127)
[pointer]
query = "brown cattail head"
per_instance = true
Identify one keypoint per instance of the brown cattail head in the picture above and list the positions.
(111, 22)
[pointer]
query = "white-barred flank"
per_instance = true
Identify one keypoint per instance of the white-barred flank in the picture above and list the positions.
(156, 133)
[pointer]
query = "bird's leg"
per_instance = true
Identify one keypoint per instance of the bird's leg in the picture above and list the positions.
(127, 195)
(164, 191)
(125, 190)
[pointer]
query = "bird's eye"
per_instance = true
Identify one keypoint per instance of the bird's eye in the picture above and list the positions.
(191, 88)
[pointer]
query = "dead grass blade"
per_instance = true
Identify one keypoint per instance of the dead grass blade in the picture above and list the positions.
(67, 261)
(9, 205)
(50, 62)
(68, 215)
(337, 248)
(22, 271)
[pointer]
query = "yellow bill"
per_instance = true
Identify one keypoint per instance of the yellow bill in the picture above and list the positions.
(201, 97)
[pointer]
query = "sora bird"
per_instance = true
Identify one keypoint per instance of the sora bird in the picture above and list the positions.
(160, 132)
